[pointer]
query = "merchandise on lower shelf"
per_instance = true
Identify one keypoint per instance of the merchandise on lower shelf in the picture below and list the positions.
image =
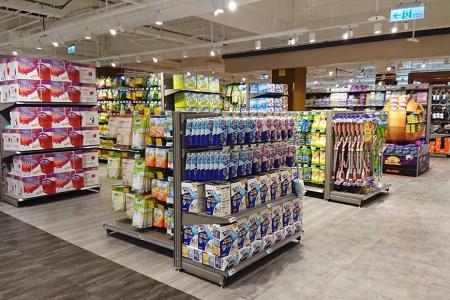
(247, 183)
(268, 97)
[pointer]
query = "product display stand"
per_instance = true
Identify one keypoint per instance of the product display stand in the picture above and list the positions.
(357, 158)
(439, 120)
(193, 265)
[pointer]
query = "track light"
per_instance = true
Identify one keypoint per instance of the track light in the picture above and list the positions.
(258, 44)
(138, 59)
(350, 80)
(158, 19)
(212, 52)
(312, 37)
(88, 35)
(243, 79)
(232, 5)
(330, 73)
(337, 85)
(97, 64)
(113, 64)
(39, 47)
(389, 68)
(55, 44)
(394, 28)
(405, 26)
(424, 65)
(218, 7)
(155, 59)
(15, 53)
(185, 54)
(315, 82)
(377, 28)
(292, 41)
(113, 31)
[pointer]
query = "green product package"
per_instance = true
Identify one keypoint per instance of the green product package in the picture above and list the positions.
(190, 81)
(214, 84)
(178, 81)
(138, 132)
(114, 165)
(139, 174)
(180, 101)
(202, 83)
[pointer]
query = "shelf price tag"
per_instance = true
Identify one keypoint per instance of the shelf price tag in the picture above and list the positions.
(160, 175)
(231, 272)
(159, 142)
(232, 219)
(269, 205)
(269, 250)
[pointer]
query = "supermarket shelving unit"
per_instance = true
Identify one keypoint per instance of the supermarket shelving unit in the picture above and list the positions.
(6, 156)
(184, 218)
(431, 121)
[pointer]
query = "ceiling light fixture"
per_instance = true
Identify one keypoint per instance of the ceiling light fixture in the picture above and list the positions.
(113, 32)
(394, 28)
(377, 28)
(55, 44)
(88, 35)
(15, 53)
(258, 44)
(337, 85)
(423, 65)
(315, 82)
(121, 29)
(113, 64)
(138, 59)
(218, 7)
(389, 68)
(350, 80)
(346, 35)
(312, 37)
(243, 79)
(212, 52)
(232, 5)
(155, 59)
(292, 41)
(330, 73)
(158, 19)
(405, 26)
(97, 64)
(184, 54)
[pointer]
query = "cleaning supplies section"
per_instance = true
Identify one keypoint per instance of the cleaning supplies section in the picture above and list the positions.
(50, 143)
(236, 192)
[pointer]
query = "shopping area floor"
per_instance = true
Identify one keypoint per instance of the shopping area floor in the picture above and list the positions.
(397, 247)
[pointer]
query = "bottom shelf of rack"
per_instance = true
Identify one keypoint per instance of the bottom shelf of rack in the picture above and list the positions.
(151, 235)
(314, 189)
(219, 276)
(16, 201)
(439, 155)
(357, 199)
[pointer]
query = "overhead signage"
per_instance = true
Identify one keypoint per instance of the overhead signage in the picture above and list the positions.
(407, 13)
(71, 49)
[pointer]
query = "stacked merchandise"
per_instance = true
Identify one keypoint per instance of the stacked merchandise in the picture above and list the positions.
(311, 151)
(146, 192)
(248, 182)
(268, 97)
(122, 95)
(50, 144)
(197, 93)
(358, 151)
(440, 121)
(322, 100)
(234, 97)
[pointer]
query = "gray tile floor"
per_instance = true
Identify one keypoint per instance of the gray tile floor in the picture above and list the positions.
(397, 247)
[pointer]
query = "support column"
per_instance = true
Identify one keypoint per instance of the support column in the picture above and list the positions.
(295, 78)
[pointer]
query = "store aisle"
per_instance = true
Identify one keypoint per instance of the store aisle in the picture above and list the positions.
(396, 247)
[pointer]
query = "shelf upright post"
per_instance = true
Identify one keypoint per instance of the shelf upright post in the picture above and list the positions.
(177, 173)
(329, 153)
(429, 108)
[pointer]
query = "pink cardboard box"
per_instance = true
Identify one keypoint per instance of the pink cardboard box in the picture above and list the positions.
(58, 92)
(72, 92)
(91, 136)
(33, 164)
(63, 161)
(20, 67)
(61, 137)
(74, 117)
(76, 137)
(27, 139)
(89, 116)
(78, 179)
(63, 182)
(60, 117)
(30, 90)
(90, 158)
(77, 160)
(91, 177)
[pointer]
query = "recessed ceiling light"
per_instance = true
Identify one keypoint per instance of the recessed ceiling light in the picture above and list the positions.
(232, 5)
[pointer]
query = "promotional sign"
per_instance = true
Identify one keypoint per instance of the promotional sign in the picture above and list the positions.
(405, 165)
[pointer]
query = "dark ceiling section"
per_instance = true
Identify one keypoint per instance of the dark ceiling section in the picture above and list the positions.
(355, 41)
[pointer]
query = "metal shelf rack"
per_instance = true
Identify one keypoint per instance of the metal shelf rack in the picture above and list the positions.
(183, 218)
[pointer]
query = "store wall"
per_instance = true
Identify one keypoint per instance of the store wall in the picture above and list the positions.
(429, 46)
(430, 77)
